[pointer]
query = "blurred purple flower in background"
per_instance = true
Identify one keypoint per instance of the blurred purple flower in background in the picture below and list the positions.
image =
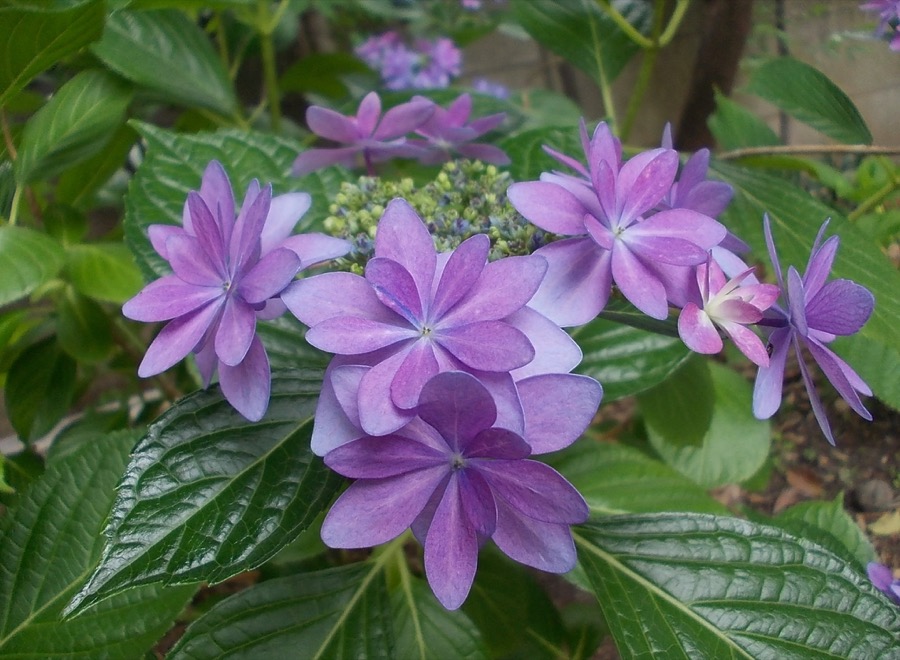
(370, 137)
(450, 131)
(490, 88)
(427, 64)
(458, 480)
(816, 313)
(227, 273)
(888, 19)
(883, 578)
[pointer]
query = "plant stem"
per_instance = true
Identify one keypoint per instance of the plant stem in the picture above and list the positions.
(808, 149)
(602, 80)
(875, 199)
(648, 61)
(674, 21)
(625, 26)
(265, 26)
(14, 210)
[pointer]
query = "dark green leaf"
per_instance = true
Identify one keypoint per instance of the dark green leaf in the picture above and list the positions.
(735, 127)
(104, 271)
(169, 55)
(583, 34)
(320, 73)
(626, 360)
(29, 259)
(700, 586)
(735, 444)
(78, 185)
(35, 39)
(682, 404)
(529, 159)
(614, 478)
(76, 123)
(808, 95)
(328, 615)
(39, 388)
(64, 223)
(50, 542)
(242, 491)
(82, 327)
(285, 342)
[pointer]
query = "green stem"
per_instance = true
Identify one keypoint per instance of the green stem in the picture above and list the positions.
(875, 199)
(222, 41)
(648, 61)
(675, 20)
(602, 80)
(265, 26)
(625, 26)
(16, 200)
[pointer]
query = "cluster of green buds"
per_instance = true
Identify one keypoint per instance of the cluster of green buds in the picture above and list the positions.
(467, 198)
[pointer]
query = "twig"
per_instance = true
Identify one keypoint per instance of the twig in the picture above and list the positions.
(808, 149)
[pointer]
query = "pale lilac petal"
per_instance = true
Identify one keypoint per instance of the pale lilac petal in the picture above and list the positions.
(351, 335)
(545, 546)
(579, 189)
(192, 264)
(644, 180)
(567, 160)
(820, 262)
(487, 345)
(604, 148)
(639, 284)
(418, 367)
(315, 299)
(604, 178)
(834, 369)
(701, 230)
(367, 114)
(344, 380)
(403, 119)
(506, 397)
(315, 248)
(207, 362)
(797, 301)
(245, 240)
(331, 125)
(177, 339)
(459, 274)
(385, 456)
(451, 550)
(236, 331)
(374, 511)
(317, 159)
(549, 206)
(395, 288)
(285, 212)
(167, 298)
(577, 284)
(458, 406)
(748, 343)
(246, 385)
(554, 349)
(497, 443)
(664, 249)
(333, 427)
(377, 413)
(769, 380)
(215, 189)
(694, 171)
(403, 237)
(709, 198)
(558, 408)
(206, 230)
(536, 490)
(814, 400)
(738, 311)
(697, 331)
(269, 276)
(841, 307)
(159, 234)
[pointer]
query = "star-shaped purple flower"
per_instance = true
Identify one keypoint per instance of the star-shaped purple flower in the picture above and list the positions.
(369, 137)
(816, 312)
(449, 131)
(227, 273)
(417, 313)
(459, 480)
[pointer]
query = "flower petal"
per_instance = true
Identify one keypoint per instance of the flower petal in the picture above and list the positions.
(747, 342)
(215, 189)
(644, 180)
(192, 264)
(350, 335)
(545, 546)
(487, 345)
(315, 299)
(246, 385)
(451, 550)
(168, 298)
(385, 456)
(835, 370)
(841, 307)
(769, 380)
(332, 427)
(315, 248)
(418, 367)
(331, 125)
(459, 274)
(244, 248)
(207, 231)
(403, 237)
(638, 283)
(554, 349)
(269, 276)
(497, 443)
(236, 331)
(558, 408)
(820, 261)
(159, 234)
(403, 119)
(458, 406)
(367, 115)
(549, 206)
(697, 331)
(377, 413)
(285, 212)
(178, 338)
(316, 159)
(683, 224)
(536, 490)
(395, 288)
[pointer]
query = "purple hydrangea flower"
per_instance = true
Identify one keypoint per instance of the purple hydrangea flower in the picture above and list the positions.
(227, 273)
(731, 306)
(457, 480)
(450, 130)
(370, 137)
(608, 211)
(441, 61)
(883, 578)
(417, 313)
(888, 18)
(490, 88)
(428, 64)
(816, 312)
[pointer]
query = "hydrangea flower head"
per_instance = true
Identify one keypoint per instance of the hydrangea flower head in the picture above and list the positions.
(450, 130)
(457, 480)
(369, 136)
(816, 312)
(427, 64)
(227, 273)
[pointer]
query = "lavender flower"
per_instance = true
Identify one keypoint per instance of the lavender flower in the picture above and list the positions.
(729, 305)
(227, 273)
(417, 313)
(883, 578)
(428, 64)
(450, 130)
(457, 480)
(490, 88)
(370, 137)
(616, 237)
(888, 18)
(815, 313)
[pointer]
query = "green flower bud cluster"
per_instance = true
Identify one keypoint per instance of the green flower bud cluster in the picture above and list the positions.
(467, 198)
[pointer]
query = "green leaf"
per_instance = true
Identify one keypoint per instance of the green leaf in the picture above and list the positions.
(29, 259)
(807, 94)
(833, 519)
(682, 404)
(104, 271)
(82, 327)
(165, 52)
(174, 165)
(35, 39)
(320, 73)
(583, 34)
(425, 630)
(64, 223)
(48, 545)
(700, 586)
(527, 156)
(614, 479)
(286, 345)
(332, 614)
(735, 127)
(39, 388)
(78, 185)
(626, 360)
(735, 444)
(796, 217)
(242, 491)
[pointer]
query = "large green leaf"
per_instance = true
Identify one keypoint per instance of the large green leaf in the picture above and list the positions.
(49, 544)
(75, 124)
(808, 95)
(582, 33)
(35, 39)
(169, 55)
(208, 494)
(626, 360)
(735, 444)
(682, 404)
(701, 586)
(78, 185)
(327, 615)
(734, 126)
(614, 479)
(529, 159)
(82, 327)
(104, 271)
(796, 217)
(174, 165)
(29, 259)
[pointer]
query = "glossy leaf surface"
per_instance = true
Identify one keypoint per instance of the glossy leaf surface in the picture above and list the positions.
(29, 259)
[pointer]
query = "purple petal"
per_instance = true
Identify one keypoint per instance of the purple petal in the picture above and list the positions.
(385, 456)
(317, 159)
(477, 503)
(374, 511)
(244, 248)
(820, 263)
(880, 575)
(177, 339)
(269, 276)
(554, 349)
(487, 345)
(159, 234)
(797, 301)
(737, 311)
(215, 189)
(285, 212)
(549, 206)
(644, 180)
(351, 335)
(835, 371)
(451, 550)
(664, 249)
(558, 408)
(506, 398)
(207, 362)
(709, 198)
(206, 230)
(487, 153)
(192, 264)
(168, 298)
(773, 254)
(246, 385)
(638, 283)
(604, 148)
(315, 248)
(697, 331)
(333, 427)
(747, 342)
(580, 190)
(545, 546)
(395, 288)
(769, 380)
(498, 443)
(536, 490)
(701, 230)
(331, 125)
(236, 331)
(458, 406)
(403, 119)
(367, 114)
(567, 160)
(814, 401)
(841, 307)
(462, 270)
(402, 237)
(377, 413)
(418, 367)
(315, 299)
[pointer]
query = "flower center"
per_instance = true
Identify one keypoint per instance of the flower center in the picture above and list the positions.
(457, 461)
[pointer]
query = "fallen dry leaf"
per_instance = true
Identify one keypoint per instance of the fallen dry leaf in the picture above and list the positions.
(887, 524)
(805, 480)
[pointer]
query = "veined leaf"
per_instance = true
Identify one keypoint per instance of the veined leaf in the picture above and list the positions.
(50, 542)
(208, 494)
(682, 405)
(734, 126)
(529, 159)
(104, 271)
(82, 327)
(39, 389)
(29, 259)
(699, 586)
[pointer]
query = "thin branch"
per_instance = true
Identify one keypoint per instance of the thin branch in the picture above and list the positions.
(808, 149)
